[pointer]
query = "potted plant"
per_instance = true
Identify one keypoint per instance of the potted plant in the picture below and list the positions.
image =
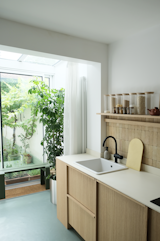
(50, 106)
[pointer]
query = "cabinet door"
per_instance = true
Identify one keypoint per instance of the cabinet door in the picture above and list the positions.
(119, 217)
(82, 221)
(153, 225)
(61, 170)
(82, 188)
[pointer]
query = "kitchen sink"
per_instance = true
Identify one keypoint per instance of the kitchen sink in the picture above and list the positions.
(101, 165)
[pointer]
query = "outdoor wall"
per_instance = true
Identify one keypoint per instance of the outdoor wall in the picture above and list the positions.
(35, 149)
(133, 64)
(32, 40)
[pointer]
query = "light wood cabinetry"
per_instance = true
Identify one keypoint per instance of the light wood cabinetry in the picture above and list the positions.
(76, 200)
(61, 192)
(100, 213)
(119, 217)
(82, 188)
(82, 221)
(153, 225)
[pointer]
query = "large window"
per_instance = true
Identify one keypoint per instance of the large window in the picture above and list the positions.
(22, 132)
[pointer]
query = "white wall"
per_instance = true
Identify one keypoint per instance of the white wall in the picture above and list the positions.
(93, 89)
(60, 73)
(134, 63)
(32, 40)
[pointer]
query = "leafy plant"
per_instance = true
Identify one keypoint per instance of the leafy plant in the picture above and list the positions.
(15, 100)
(50, 106)
(34, 172)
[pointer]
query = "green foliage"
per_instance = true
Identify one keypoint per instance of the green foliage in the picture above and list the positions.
(15, 100)
(11, 82)
(34, 172)
(50, 105)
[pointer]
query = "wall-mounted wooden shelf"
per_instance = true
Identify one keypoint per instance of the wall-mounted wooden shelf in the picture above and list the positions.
(130, 116)
(138, 123)
(140, 120)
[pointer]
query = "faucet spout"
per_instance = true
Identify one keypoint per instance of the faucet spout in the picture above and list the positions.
(116, 155)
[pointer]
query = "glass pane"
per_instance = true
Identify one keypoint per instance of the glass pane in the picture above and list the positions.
(22, 131)
(9, 55)
(46, 80)
(40, 60)
(23, 176)
(0, 151)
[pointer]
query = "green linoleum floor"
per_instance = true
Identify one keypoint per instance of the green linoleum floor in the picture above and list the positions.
(32, 218)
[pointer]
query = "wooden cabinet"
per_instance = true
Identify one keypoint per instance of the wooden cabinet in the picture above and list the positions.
(82, 188)
(100, 213)
(119, 217)
(81, 220)
(61, 192)
(76, 200)
(153, 225)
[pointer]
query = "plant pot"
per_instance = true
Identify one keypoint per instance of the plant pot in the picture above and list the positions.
(27, 158)
(53, 191)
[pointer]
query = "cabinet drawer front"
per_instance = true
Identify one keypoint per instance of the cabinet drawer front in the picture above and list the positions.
(82, 188)
(81, 221)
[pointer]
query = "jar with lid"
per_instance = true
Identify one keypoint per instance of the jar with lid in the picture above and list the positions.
(132, 109)
(124, 110)
(141, 103)
(133, 101)
(149, 101)
(118, 100)
(106, 103)
(112, 103)
(120, 110)
(114, 110)
(126, 100)
(128, 110)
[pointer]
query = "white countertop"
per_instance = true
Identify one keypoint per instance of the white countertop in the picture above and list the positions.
(141, 186)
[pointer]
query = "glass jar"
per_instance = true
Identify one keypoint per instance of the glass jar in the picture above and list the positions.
(128, 110)
(125, 100)
(114, 110)
(133, 101)
(149, 101)
(112, 103)
(141, 103)
(106, 103)
(117, 110)
(124, 110)
(132, 110)
(118, 100)
(120, 110)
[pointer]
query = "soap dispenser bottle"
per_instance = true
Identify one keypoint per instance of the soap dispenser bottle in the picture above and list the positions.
(107, 154)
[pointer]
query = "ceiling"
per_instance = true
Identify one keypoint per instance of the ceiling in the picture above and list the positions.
(99, 20)
(27, 58)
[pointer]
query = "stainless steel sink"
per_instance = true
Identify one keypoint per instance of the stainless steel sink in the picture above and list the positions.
(101, 166)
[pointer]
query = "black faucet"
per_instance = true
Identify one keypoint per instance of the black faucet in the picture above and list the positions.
(116, 155)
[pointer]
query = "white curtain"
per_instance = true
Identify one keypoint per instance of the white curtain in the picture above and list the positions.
(75, 112)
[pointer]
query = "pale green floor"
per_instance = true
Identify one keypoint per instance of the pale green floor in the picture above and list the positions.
(32, 218)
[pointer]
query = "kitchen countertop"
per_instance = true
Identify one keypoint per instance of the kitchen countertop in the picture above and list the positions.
(141, 186)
